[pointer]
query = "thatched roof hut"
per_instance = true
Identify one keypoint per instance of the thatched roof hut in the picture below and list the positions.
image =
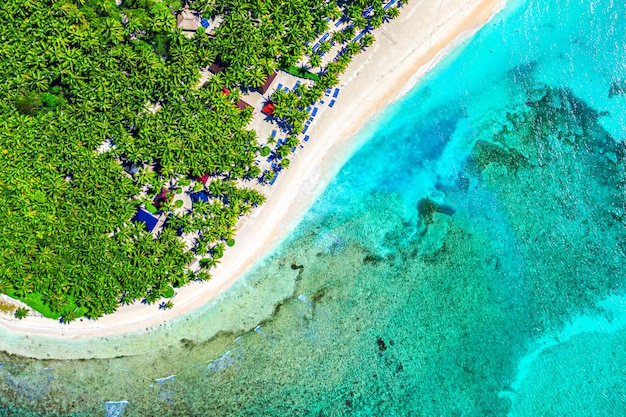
(188, 21)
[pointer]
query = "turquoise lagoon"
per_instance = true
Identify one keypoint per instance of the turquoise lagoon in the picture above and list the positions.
(468, 260)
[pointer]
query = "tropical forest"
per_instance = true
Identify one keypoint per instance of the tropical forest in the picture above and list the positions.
(125, 164)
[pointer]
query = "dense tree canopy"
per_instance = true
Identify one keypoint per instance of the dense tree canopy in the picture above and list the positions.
(81, 73)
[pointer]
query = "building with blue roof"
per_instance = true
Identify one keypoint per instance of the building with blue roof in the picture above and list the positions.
(199, 196)
(147, 218)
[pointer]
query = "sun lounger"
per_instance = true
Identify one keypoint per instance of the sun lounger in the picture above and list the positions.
(388, 5)
(359, 36)
(205, 23)
(331, 104)
(306, 138)
(274, 179)
(316, 46)
(336, 93)
(326, 35)
(339, 22)
(314, 111)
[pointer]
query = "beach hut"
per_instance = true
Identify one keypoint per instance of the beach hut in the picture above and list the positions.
(217, 66)
(268, 108)
(188, 22)
(242, 105)
(199, 196)
(147, 218)
(203, 178)
(160, 198)
(268, 83)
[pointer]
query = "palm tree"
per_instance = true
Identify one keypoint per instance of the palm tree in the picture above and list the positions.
(393, 12)
(255, 77)
(367, 40)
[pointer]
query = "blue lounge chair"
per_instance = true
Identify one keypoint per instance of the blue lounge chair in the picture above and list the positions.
(331, 104)
(388, 5)
(204, 23)
(336, 93)
(306, 138)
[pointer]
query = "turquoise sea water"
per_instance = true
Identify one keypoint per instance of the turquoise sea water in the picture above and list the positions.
(468, 260)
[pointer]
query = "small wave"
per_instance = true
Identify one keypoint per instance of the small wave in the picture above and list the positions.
(114, 408)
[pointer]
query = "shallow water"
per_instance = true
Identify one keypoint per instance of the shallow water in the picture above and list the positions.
(503, 294)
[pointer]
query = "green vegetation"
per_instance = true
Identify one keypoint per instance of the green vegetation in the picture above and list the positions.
(301, 72)
(82, 74)
(21, 313)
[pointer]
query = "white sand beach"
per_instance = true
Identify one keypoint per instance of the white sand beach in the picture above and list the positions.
(405, 49)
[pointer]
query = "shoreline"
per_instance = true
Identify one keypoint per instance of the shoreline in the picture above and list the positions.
(405, 50)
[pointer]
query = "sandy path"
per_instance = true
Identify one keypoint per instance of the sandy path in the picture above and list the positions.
(404, 50)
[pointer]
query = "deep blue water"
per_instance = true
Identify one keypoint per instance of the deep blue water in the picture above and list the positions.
(468, 260)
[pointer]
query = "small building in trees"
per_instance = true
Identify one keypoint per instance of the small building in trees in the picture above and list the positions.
(268, 108)
(199, 196)
(147, 218)
(268, 83)
(217, 66)
(242, 105)
(203, 178)
(188, 21)
(160, 198)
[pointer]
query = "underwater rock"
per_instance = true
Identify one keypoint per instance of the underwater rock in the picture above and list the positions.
(382, 346)
(485, 153)
(433, 240)
(611, 156)
(618, 88)
(427, 207)
(372, 259)
(187, 343)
